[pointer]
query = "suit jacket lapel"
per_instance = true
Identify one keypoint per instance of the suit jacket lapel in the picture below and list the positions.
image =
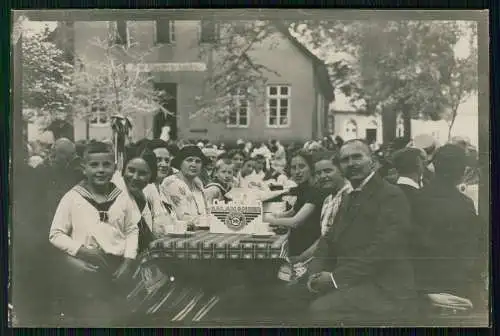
(350, 209)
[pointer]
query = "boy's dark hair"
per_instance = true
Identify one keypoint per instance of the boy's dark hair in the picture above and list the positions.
(95, 147)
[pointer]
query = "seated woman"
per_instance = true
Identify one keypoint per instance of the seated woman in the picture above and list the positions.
(303, 219)
(140, 172)
(184, 190)
(221, 181)
(96, 228)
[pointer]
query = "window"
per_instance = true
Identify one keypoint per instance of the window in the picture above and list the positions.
(118, 32)
(278, 106)
(209, 31)
(239, 115)
(99, 116)
(165, 31)
(351, 130)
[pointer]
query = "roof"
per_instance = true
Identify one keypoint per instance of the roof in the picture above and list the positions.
(321, 71)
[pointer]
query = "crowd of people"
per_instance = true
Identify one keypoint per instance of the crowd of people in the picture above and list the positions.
(371, 231)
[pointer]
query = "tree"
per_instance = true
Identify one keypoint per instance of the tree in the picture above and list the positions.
(464, 78)
(46, 78)
(115, 81)
(397, 66)
(231, 66)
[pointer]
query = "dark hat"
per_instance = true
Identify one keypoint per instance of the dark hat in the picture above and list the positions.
(187, 151)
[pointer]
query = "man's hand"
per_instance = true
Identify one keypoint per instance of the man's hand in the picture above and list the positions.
(124, 269)
(94, 256)
(320, 282)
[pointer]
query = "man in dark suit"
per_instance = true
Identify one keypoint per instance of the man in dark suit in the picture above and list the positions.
(409, 164)
(450, 239)
(361, 268)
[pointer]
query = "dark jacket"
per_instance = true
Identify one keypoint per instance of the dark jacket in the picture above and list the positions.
(410, 192)
(450, 242)
(368, 243)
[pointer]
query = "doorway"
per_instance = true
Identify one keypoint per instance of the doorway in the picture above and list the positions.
(371, 135)
(169, 102)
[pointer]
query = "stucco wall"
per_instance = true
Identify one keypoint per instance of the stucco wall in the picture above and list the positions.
(277, 52)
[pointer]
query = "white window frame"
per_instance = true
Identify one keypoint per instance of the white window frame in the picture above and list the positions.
(351, 128)
(171, 32)
(113, 26)
(237, 99)
(97, 115)
(278, 98)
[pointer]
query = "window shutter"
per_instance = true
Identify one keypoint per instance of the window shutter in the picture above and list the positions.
(121, 32)
(163, 31)
(208, 31)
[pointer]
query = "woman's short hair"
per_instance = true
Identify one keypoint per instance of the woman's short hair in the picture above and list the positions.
(95, 147)
(142, 152)
(304, 154)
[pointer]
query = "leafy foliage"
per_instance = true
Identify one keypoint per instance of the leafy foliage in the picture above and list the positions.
(408, 66)
(46, 77)
(114, 83)
(232, 69)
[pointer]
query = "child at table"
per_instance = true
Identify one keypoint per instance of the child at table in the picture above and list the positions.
(222, 181)
(95, 226)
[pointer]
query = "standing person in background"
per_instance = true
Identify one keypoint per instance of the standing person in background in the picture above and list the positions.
(409, 164)
(248, 148)
(450, 240)
(429, 145)
(222, 181)
(279, 155)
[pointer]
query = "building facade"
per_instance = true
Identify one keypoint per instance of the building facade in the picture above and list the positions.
(297, 94)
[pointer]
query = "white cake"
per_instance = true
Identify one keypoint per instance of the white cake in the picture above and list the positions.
(237, 217)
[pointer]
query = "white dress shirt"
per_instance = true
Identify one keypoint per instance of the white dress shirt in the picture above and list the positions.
(407, 181)
(77, 223)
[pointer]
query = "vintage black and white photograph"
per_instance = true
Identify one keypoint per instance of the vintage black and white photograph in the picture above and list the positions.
(225, 168)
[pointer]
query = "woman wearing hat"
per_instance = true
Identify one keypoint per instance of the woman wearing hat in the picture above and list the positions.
(184, 189)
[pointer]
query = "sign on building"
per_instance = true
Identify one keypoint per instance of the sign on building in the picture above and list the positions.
(167, 67)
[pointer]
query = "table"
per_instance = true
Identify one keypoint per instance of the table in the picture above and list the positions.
(183, 277)
(205, 245)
